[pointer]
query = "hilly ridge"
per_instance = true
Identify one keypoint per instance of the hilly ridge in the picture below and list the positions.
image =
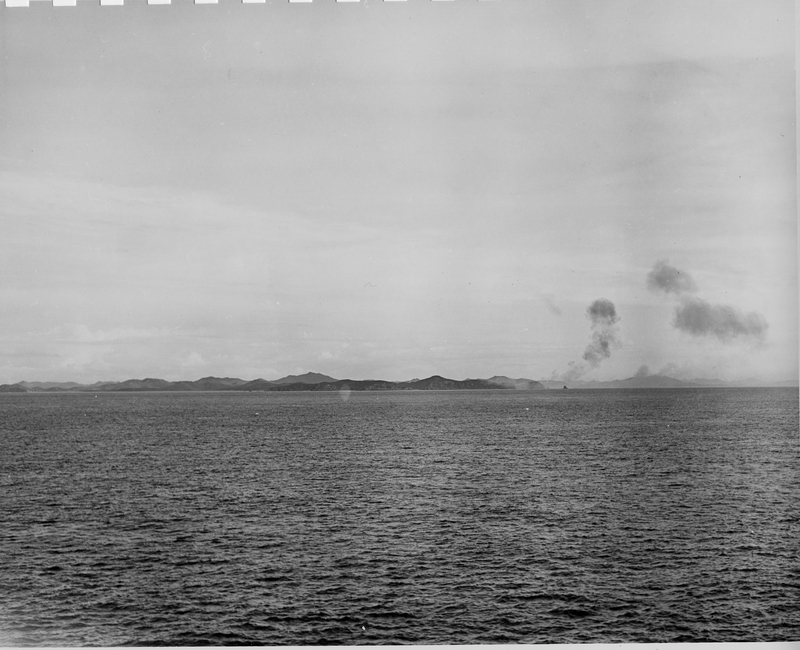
(312, 381)
(308, 378)
(308, 382)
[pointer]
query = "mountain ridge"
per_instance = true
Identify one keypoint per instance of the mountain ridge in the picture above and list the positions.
(312, 381)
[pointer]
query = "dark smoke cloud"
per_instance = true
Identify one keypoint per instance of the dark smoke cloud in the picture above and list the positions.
(668, 279)
(602, 312)
(644, 371)
(604, 319)
(700, 318)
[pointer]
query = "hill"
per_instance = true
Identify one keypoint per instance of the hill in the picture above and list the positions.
(256, 384)
(49, 385)
(308, 378)
(649, 381)
(13, 388)
(137, 385)
(517, 384)
(434, 382)
(652, 381)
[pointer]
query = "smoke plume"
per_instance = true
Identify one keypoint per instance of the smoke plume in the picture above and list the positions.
(700, 318)
(604, 331)
(603, 316)
(574, 372)
(668, 279)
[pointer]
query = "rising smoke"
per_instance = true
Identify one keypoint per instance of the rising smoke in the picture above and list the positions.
(605, 337)
(699, 317)
(604, 331)
(668, 279)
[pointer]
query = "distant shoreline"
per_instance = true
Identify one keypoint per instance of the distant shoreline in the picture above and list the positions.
(313, 382)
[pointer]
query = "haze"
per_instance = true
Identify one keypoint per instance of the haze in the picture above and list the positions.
(397, 189)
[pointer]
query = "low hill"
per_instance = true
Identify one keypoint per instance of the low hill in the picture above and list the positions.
(339, 384)
(47, 385)
(256, 384)
(136, 385)
(435, 382)
(517, 384)
(308, 378)
(215, 383)
(649, 381)
(652, 381)
(207, 383)
(13, 388)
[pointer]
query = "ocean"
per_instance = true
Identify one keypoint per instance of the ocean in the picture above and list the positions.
(421, 517)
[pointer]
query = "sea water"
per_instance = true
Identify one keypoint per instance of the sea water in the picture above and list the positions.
(400, 517)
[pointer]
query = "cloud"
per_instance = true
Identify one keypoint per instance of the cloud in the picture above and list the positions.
(80, 333)
(643, 371)
(700, 318)
(193, 360)
(668, 279)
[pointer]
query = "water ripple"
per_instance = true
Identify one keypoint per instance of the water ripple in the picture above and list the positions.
(397, 518)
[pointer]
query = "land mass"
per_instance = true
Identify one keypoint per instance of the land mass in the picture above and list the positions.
(309, 381)
(312, 381)
(662, 381)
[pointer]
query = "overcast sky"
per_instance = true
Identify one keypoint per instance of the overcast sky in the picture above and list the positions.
(396, 189)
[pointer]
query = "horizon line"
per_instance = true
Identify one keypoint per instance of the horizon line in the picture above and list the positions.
(329, 378)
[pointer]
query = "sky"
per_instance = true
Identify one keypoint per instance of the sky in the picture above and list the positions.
(389, 190)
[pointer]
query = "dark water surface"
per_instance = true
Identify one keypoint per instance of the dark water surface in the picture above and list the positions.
(421, 517)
